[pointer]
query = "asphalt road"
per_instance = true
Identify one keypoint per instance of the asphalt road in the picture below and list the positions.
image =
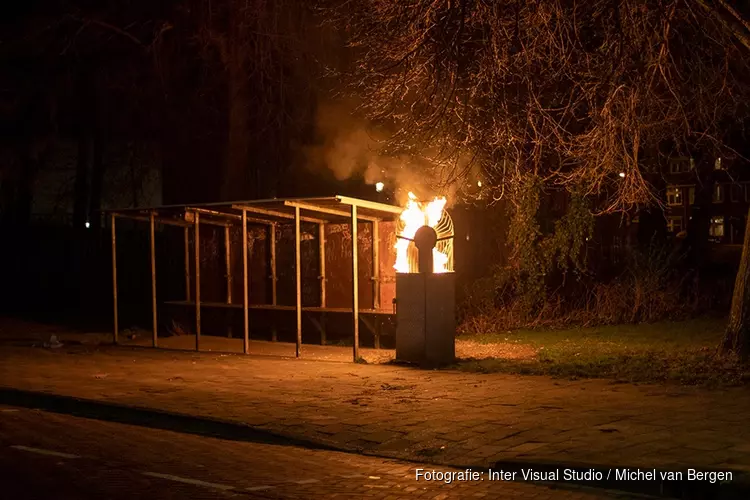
(53, 456)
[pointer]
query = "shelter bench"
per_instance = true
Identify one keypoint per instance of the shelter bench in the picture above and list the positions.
(375, 327)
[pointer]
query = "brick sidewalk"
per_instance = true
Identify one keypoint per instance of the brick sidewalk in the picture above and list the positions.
(438, 416)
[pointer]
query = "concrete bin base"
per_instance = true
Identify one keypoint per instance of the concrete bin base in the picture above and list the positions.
(425, 318)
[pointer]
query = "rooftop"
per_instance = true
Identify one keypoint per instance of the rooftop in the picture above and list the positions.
(331, 209)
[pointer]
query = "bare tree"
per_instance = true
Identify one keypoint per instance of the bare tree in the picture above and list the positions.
(260, 45)
(576, 93)
(70, 46)
(583, 96)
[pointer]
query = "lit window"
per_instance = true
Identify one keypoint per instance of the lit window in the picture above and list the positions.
(716, 229)
(674, 224)
(691, 195)
(718, 165)
(718, 194)
(674, 196)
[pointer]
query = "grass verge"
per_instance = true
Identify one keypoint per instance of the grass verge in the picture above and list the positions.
(679, 352)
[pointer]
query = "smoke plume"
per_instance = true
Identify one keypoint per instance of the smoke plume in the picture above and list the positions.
(350, 147)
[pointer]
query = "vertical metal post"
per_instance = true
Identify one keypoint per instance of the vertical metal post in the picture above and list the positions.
(153, 279)
(228, 261)
(375, 264)
(228, 272)
(322, 255)
(272, 230)
(197, 281)
(245, 298)
(376, 277)
(114, 278)
(187, 263)
(298, 273)
(273, 263)
(322, 277)
(355, 284)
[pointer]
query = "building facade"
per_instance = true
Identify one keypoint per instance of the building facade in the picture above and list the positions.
(730, 196)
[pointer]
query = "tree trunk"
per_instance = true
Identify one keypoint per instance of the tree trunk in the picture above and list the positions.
(86, 127)
(18, 178)
(235, 185)
(29, 169)
(7, 196)
(738, 329)
(236, 173)
(97, 182)
(134, 186)
(652, 226)
(81, 188)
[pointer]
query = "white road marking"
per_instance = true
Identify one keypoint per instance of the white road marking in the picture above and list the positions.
(260, 488)
(307, 481)
(185, 480)
(44, 452)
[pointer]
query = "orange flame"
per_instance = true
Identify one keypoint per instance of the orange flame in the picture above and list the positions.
(414, 216)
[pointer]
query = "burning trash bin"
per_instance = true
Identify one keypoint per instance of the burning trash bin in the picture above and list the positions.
(425, 285)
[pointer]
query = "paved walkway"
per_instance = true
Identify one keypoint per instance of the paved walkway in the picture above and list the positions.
(28, 333)
(437, 416)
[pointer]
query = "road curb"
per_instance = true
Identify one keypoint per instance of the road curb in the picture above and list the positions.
(151, 417)
(738, 488)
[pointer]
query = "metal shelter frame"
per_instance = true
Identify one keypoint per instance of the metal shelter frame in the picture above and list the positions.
(321, 211)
